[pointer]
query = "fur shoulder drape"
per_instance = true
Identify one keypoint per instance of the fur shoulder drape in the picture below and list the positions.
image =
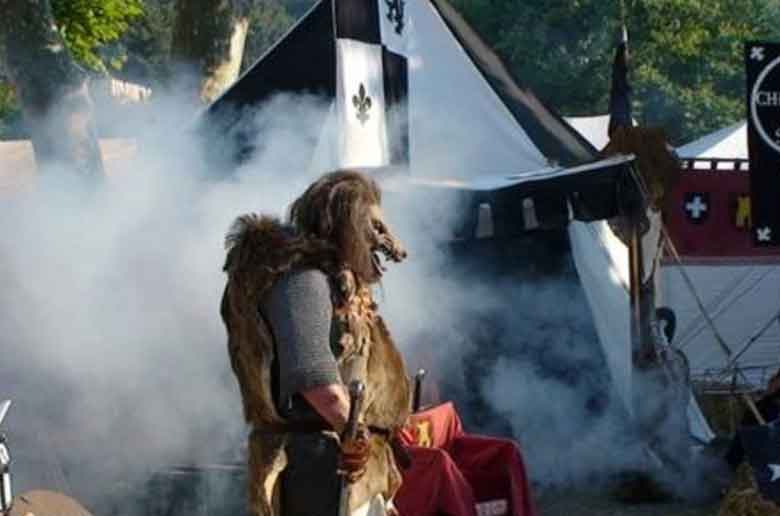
(260, 249)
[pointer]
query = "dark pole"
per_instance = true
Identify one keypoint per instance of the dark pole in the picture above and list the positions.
(642, 295)
(635, 278)
(417, 397)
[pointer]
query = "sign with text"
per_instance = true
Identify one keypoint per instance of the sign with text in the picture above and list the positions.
(762, 62)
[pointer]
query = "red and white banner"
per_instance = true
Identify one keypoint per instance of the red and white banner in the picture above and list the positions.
(709, 219)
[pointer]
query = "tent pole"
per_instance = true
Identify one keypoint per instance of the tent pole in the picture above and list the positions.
(635, 275)
(642, 299)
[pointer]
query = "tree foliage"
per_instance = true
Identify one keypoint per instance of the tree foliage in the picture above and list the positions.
(147, 44)
(687, 64)
(687, 69)
(268, 21)
(10, 114)
(87, 25)
(52, 90)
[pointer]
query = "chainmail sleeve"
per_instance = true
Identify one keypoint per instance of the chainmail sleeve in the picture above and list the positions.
(300, 311)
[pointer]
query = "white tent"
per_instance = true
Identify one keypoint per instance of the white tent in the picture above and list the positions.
(594, 128)
(602, 263)
(727, 143)
(740, 296)
(465, 124)
(418, 89)
(470, 127)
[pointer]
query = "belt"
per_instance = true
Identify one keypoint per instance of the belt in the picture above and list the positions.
(401, 455)
(296, 427)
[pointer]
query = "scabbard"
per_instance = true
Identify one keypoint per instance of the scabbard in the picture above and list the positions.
(356, 392)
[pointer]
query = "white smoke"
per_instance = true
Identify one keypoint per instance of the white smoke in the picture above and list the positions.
(114, 351)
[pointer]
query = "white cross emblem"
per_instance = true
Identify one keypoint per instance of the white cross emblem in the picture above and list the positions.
(757, 53)
(775, 470)
(764, 234)
(696, 208)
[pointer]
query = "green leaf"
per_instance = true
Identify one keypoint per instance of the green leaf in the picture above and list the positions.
(88, 25)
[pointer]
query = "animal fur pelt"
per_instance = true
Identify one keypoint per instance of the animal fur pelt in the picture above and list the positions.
(260, 251)
(744, 498)
(656, 162)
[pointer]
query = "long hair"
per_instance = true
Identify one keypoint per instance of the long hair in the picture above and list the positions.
(335, 208)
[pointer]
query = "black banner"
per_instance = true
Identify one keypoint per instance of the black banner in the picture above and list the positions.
(762, 63)
(762, 447)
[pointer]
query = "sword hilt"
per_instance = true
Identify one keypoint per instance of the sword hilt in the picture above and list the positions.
(357, 392)
(417, 396)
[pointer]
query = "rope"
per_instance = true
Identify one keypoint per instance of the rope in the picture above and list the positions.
(733, 301)
(667, 240)
(752, 340)
(713, 306)
(676, 256)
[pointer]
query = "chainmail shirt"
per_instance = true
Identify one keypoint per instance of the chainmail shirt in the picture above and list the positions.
(300, 311)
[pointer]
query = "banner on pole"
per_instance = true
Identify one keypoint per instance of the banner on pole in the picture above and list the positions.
(762, 63)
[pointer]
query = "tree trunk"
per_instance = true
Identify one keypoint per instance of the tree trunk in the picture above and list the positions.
(52, 89)
(208, 44)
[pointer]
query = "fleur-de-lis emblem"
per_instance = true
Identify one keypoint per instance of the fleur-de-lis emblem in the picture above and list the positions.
(362, 103)
(395, 14)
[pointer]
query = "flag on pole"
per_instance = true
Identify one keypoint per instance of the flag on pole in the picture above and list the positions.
(620, 93)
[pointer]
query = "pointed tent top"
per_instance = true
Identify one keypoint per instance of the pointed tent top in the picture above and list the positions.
(472, 124)
(727, 143)
(304, 62)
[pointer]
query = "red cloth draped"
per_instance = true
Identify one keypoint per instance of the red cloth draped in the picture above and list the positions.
(434, 485)
(452, 470)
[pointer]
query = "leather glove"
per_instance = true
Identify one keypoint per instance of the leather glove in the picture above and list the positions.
(354, 455)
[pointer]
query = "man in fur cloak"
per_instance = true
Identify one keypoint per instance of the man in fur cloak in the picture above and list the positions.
(302, 324)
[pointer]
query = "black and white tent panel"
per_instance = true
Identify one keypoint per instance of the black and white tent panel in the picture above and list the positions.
(371, 83)
(412, 88)
(466, 115)
(395, 24)
(505, 206)
(552, 177)
(459, 125)
(360, 106)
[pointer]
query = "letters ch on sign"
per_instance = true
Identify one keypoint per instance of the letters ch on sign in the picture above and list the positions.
(768, 98)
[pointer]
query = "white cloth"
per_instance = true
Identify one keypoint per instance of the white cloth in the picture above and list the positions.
(374, 507)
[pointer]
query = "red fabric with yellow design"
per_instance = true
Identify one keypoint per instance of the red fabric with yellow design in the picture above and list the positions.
(708, 215)
(493, 469)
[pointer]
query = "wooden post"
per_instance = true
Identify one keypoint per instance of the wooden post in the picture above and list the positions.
(635, 274)
(642, 298)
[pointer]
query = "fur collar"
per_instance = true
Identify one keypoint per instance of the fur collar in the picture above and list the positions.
(260, 249)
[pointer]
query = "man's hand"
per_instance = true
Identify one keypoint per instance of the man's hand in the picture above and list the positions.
(331, 402)
(354, 455)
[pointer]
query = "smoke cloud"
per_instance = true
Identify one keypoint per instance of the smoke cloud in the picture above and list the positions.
(115, 356)
(113, 349)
